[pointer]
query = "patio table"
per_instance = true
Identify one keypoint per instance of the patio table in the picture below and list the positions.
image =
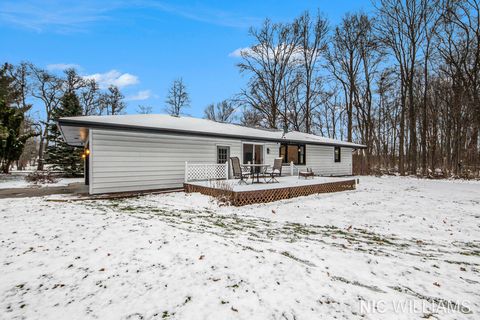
(256, 170)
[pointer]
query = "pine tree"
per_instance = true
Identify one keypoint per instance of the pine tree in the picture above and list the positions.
(12, 137)
(60, 155)
(12, 141)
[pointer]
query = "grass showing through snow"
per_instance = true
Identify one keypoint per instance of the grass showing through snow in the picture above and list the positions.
(181, 256)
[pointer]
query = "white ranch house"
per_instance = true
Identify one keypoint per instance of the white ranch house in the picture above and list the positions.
(151, 152)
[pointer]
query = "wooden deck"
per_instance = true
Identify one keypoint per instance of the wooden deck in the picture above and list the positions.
(262, 193)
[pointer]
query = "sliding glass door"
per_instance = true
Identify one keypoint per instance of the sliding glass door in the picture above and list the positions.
(258, 154)
(252, 153)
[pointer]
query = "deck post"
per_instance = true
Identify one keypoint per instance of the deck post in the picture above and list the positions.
(186, 171)
(291, 168)
(226, 170)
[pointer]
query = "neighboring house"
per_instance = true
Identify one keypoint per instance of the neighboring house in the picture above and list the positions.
(147, 152)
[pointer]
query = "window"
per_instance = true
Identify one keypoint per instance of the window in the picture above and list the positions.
(293, 152)
(338, 155)
(222, 154)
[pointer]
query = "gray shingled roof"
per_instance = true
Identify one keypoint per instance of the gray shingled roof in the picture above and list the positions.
(190, 125)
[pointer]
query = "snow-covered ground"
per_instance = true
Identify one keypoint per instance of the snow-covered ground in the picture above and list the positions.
(17, 180)
(395, 248)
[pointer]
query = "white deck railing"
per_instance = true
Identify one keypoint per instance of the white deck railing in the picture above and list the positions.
(290, 169)
(201, 171)
(213, 171)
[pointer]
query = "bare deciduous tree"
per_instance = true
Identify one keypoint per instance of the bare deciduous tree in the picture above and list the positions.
(48, 88)
(220, 112)
(73, 81)
(251, 118)
(111, 103)
(313, 45)
(142, 109)
(269, 61)
(344, 62)
(90, 97)
(177, 98)
(400, 25)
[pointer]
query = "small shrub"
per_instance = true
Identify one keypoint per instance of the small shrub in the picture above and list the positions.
(41, 177)
(225, 191)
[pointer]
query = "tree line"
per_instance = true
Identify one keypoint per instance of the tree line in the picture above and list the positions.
(35, 135)
(403, 80)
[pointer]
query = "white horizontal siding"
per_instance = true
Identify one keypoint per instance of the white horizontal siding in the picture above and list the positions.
(274, 149)
(133, 161)
(322, 161)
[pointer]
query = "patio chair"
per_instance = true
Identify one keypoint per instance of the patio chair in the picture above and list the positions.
(276, 170)
(238, 173)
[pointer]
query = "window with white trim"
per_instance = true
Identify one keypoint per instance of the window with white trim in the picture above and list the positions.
(222, 154)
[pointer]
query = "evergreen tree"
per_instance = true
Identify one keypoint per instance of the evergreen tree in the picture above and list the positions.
(60, 155)
(12, 141)
(12, 137)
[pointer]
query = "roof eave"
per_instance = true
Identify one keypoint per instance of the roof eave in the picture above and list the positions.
(116, 126)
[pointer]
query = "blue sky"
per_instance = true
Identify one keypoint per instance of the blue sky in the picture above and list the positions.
(143, 45)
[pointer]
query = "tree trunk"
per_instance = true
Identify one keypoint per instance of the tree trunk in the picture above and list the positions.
(401, 135)
(6, 167)
(41, 149)
(424, 117)
(413, 129)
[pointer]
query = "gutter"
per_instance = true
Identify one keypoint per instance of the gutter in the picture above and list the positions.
(123, 127)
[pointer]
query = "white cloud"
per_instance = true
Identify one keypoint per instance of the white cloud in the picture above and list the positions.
(62, 66)
(141, 95)
(113, 77)
(65, 17)
(237, 53)
(55, 15)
